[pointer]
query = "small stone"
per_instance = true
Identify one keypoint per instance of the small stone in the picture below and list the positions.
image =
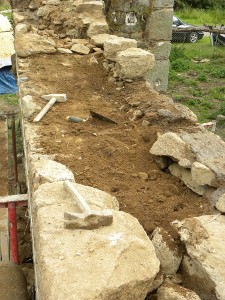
(220, 205)
(93, 61)
(112, 79)
(145, 123)
(81, 49)
(143, 175)
(64, 51)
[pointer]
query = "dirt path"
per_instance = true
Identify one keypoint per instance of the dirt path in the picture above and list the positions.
(114, 158)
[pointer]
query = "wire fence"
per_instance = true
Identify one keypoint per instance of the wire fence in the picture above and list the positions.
(216, 35)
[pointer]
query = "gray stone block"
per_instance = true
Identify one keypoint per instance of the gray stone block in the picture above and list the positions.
(163, 3)
(159, 25)
(161, 50)
(158, 76)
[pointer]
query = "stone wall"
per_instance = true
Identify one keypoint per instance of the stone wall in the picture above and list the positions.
(150, 23)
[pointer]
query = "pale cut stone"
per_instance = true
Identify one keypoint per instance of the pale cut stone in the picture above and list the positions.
(29, 106)
(97, 28)
(209, 150)
(204, 239)
(220, 205)
(202, 174)
(170, 144)
(46, 170)
(185, 175)
(166, 251)
(175, 292)
(116, 44)
(21, 28)
(18, 18)
(134, 63)
(99, 39)
(81, 49)
(117, 261)
(158, 281)
(32, 43)
(50, 192)
(64, 51)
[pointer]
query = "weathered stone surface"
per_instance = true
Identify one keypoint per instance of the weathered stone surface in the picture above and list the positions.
(18, 18)
(209, 150)
(158, 76)
(161, 50)
(29, 106)
(170, 144)
(97, 28)
(134, 63)
(196, 279)
(64, 51)
(51, 192)
(186, 113)
(157, 282)
(185, 175)
(46, 170)
(95, 7)
(100, 39)
(32, 43)
(202, 174)
(175, 292)
(220, 205)
(114, 45)
(204, 238)
(163, 3)
(215, 196)
(159, 25)
(166, 251)
(113, 262)
(81, 49)
(21, 28)
(180, 112)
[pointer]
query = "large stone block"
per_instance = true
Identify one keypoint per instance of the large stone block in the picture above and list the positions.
(47, 170)
(186, 176)
(134, 63)
(204, 239)
(166, 251)
(161, 50)
(170, 144)
(159, 25)
(31, 43)
(209, 150)
(202, 174)
(112, 262)
(99, 39)
(158, 76)
(114, 45)
(163, 3)
(97, 27)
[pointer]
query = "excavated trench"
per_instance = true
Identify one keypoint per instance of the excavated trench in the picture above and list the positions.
(114, 158)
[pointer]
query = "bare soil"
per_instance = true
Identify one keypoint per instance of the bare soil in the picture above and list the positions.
(108, 156)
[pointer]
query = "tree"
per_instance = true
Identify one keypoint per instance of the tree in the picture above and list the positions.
(200, 3)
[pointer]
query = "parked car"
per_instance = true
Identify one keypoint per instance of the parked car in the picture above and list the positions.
(185, 36)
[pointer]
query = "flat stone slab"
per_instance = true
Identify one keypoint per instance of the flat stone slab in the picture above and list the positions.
(204, 238)
(113, 262)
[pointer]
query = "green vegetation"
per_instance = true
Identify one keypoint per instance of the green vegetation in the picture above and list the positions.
(201, 16)
(9, 99)
(197, 79)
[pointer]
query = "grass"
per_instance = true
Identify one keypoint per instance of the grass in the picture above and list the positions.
(10, 99)
(202, 16)
(197, 79)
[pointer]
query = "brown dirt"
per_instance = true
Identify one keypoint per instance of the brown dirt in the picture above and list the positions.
(107, 156)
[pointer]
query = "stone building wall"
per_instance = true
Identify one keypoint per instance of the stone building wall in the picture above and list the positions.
(150, 23)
